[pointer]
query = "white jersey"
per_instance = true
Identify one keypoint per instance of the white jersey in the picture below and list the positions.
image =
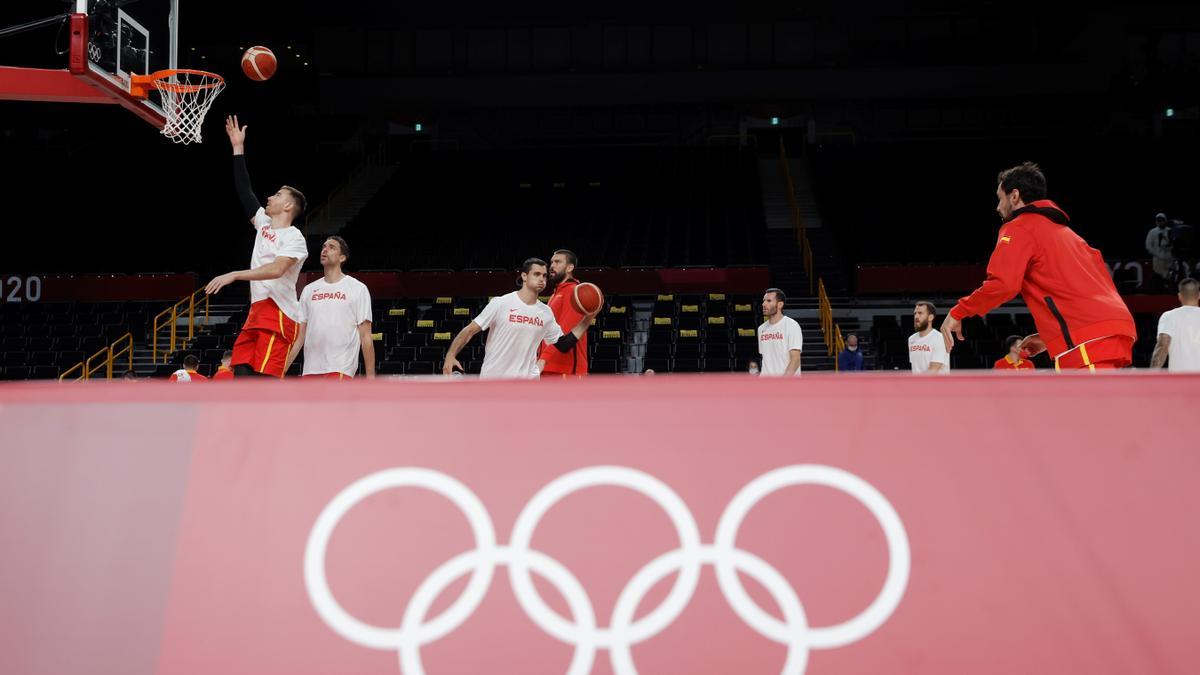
(333, 313)
(923, 351)
(775, 344)
(268, 245)
(515, 330)
(1183, 325)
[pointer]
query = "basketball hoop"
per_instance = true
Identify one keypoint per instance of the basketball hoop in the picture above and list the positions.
(186, 97)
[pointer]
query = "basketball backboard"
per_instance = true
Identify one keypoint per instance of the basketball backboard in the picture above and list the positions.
(128, 37)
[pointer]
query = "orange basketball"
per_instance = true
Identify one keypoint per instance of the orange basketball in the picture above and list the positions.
(258, 63)
(587, 298)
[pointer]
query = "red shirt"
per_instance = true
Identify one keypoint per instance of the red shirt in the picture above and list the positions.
(223, 373)
(1064, 281)
(574, 362)
(1006, 364)
(193, 376)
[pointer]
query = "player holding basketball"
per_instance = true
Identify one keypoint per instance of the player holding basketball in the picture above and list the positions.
(1080, 317)
(335, 320)
(555, 363)
(518, 324)
(279, 252)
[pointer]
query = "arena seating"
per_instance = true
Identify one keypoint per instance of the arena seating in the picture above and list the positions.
(40, 340)
(620, 207)
(666, 333)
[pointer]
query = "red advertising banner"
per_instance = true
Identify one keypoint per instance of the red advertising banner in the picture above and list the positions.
(963, 524)
(95, 287)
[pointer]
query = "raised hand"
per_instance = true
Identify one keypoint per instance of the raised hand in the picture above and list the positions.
(237, 134)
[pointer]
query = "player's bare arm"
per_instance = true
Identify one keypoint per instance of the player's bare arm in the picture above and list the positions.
(1159, 359)
(464, 336)
(793, 362)
(296, 347)
(368, 348)
(272, 270)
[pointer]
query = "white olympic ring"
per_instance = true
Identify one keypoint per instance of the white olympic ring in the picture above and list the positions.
(623, 632)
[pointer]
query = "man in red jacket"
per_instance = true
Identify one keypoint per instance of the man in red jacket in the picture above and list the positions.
(1080, 317)
(573, 362)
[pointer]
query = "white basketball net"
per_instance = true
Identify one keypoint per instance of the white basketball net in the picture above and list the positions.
(186, 98)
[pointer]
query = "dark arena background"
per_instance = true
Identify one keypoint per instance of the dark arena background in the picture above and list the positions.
(852, 400)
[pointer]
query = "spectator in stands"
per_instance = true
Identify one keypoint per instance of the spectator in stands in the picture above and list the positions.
(1081, 319)
(926, 349)
(850, 359)
(648, 372)
(129, 375)
(188, 372)
(1158, 245)
(1179, 332)
(224, 371)
(752, 368)
(1015, 359)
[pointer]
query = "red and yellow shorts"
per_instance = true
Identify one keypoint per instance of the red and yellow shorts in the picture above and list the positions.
(265, 339)
(329, 376)
(1114, 351)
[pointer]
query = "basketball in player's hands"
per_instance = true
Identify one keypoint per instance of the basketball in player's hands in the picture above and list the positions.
(259, 64)
(587, 298)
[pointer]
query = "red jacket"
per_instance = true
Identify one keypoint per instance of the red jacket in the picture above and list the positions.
(1064, 281)
(574, 362)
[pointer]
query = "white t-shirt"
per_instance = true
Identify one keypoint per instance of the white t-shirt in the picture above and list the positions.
(1183, 325)
(923, 351)
(268, 245)
(333, 313)
(515, 330)
(775, 344)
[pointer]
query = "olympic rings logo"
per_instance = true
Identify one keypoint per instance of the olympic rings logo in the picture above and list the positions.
(623, 631)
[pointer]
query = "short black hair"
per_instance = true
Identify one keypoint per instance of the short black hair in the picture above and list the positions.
(1189, 288)
(780, 296)
(527, 265)
(572, 259)
(1026, 177)
(227, 355)
(1010, 341)
(530, 262)
(300, 200)
(345, 248)
(929, 307)
(191, 362)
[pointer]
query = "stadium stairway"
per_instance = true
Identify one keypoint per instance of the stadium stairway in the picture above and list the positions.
(351, 197)
(786, 261)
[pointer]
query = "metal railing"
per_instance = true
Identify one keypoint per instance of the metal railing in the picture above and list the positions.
(797, 220)
(122, 346)
(172, 314)
(831, 332)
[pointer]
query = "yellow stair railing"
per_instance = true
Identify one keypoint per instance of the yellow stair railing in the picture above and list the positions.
(832, 333)
(797, 221)
(122, 346)
(170, 316)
